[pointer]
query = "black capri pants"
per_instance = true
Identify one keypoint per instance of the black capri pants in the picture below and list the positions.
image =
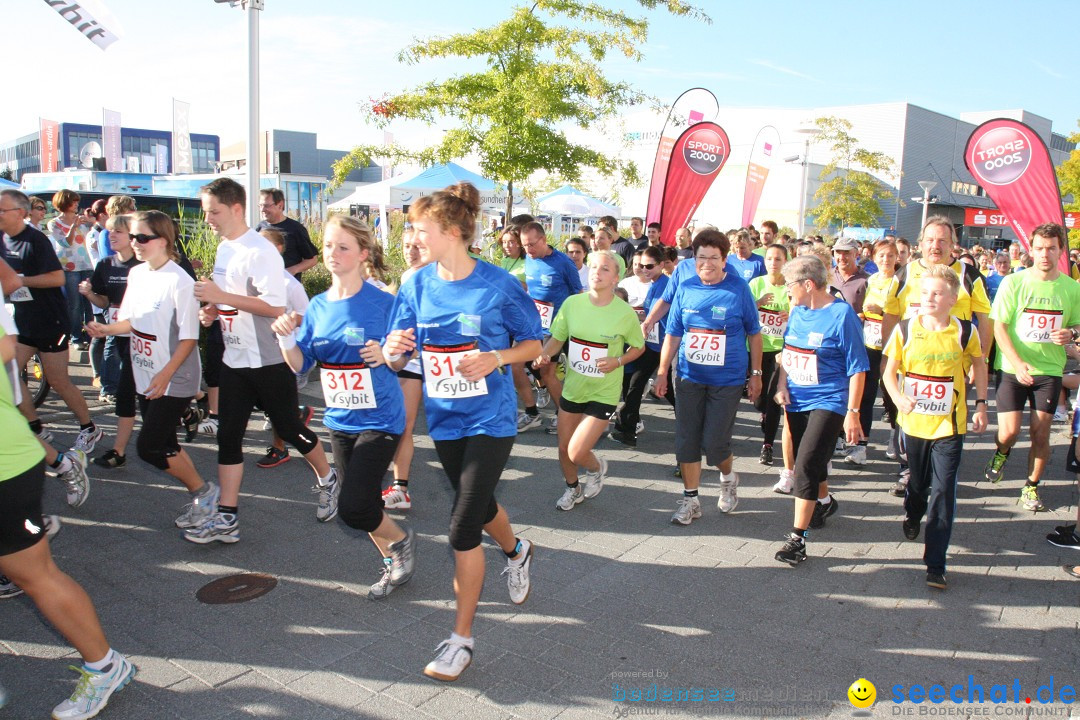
(213, 357)
(125, 385)
(21, 524)
(364, 459)
(157, 438)
(474, 465)
(813, 433)
(273, 388)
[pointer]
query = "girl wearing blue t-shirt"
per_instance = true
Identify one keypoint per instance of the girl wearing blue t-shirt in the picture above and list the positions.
(458, 315)
(342, 331)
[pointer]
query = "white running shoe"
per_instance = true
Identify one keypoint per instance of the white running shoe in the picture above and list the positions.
(640, 427)
(451, 659)
(52, 525)
(890, 451)
(594, 482)
(517, 574)
(525, 421)
(87, 439)
(543, 398)
(689, 508)
(199, 510)
(571, 496)
(220, 527)
(208, 426)
(75, 479)
(94, 689)
(786, 483)
(44, 436)
(396, 497)
(729, 496)
(841, 449)
(857, 456)
(328, 498)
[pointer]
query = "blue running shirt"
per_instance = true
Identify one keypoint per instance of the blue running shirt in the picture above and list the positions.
(714, 322)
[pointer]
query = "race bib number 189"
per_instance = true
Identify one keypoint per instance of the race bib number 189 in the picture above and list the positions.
(772, 324)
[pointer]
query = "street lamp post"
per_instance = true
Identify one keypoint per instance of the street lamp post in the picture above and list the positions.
(927, 186)
(810, 132)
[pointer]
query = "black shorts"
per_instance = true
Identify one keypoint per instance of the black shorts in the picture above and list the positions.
(409, 375)
(1042, 395)
(21, 524)
(598, 410)
(46, 344)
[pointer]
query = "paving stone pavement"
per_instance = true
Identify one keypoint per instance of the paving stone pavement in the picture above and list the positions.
(621, 598)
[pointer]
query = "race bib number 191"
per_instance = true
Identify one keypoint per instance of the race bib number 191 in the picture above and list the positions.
(1035, 326)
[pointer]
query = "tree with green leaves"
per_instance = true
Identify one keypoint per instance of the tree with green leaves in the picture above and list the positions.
(542, 72)
(849, 194)
(1069, 179)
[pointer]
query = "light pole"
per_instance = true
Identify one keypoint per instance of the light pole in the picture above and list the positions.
(927, 186)
(810, 132)
(252, 7)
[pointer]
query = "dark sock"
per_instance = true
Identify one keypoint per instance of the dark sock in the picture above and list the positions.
(1003, 452)
(515, 551)
(532, 411)
(229, 509)
(801, 534)
(87, 426)
(574, 486)
(864, 443)
(213, 416)
(58, 462)
(402, 483)
(35, 426)
(1032, 483)
(689, 493)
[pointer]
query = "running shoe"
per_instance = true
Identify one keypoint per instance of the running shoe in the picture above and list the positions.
(594, 482)
(552, 425)
(1065, 537)
(937, 580)
(44, 436)
(899, 489)
(890, 449)
(822, 511)
(640, 427)
(87, 439)
(689, 509)
(396, 497)
(208, 426)
(328, 498)
(786, 483)
(219, 527)
(1061, 415)
(94, 689)
(199, 510)
(190, 420)
(543, 398)
(52, 525)
(623, 438)
(996, 467)
(75, 479)
(571, 496)
(403, 558)
(517, 574)
(766, 455)
(857, 456)
(841, 449)
(451, 659)
(382, 587)
(8, 589)
(793, 551)
(110, 459)
(1029, 498)
(525, 421)
(911, 528)
(729, 496)
(273, 458)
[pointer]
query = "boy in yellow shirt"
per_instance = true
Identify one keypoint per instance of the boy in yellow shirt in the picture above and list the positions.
(931, 353)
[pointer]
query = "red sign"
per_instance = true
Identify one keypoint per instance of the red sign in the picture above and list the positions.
(977, 217)
(693, 106)
(757, 171)
(1012, 163)
(696, 160)
(49, 141)
(1072, 220)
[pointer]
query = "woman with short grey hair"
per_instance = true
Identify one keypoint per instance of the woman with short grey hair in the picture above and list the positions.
(822, 371)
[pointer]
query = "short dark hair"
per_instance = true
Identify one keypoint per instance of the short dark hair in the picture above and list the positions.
(655, 252)
(521, 219)
(533, 226)
(609, 221)
(771, 225)
(653, 225)
(226, 190)
(713, 239)
(578, 241)
(1051, 230)
(587, 229)
(275, 194)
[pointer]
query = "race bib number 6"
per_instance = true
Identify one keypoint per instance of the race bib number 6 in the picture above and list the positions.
(583, 355)
(441, 377)
(348, 386)
(800, 364)
(1035, 326)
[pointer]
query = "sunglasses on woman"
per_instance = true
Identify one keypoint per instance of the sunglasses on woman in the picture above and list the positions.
(143, 238)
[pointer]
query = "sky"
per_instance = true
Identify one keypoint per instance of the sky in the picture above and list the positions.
(321, 60)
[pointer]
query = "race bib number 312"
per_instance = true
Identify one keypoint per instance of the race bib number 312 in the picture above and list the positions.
(347, 386)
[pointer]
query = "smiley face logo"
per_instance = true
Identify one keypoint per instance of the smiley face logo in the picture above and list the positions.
(862, 693)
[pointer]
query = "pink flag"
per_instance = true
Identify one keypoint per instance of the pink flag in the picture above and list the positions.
(697, 158)
(692, 107)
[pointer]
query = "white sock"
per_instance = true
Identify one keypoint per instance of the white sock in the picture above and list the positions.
(467, 642)
(324, 481)
(825, 500)
(102, 663)
(65, 465)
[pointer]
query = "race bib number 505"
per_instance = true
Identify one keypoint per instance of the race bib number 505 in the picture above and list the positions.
(441, 377)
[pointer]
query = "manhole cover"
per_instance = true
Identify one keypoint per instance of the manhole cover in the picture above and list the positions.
(236, 588)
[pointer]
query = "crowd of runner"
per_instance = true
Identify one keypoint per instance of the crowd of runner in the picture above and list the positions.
(809, 335)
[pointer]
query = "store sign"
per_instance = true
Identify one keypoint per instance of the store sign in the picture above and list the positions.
(978, 217)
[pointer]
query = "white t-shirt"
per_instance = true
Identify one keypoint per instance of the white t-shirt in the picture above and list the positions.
(8, 324)
(583, 273)
(296, 299)
(636, 290)
(249, 265)
(162, 309)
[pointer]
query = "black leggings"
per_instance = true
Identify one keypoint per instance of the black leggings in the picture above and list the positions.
(474, 465)
(627, 416)
(870, 392)
(125, 384)
(273, 388)
(766, 404)
(813, 434)
(363, 459)
(157, 438)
